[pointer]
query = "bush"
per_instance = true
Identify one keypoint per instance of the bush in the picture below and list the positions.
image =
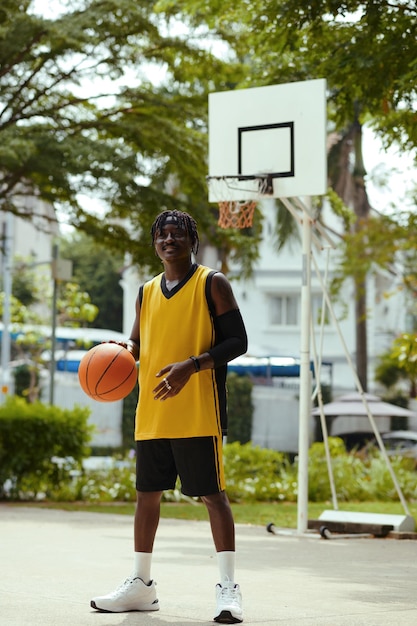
(22, 376)
(114, 484)
(349, 473)
(258, 474)
(357, 477)
(253, 474)
(40, 446)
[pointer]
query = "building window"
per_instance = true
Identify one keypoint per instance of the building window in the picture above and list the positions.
(284, 310)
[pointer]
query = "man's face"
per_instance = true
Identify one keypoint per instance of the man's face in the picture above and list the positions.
(172, 242)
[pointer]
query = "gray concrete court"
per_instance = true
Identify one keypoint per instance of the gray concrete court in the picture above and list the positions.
(53, 562)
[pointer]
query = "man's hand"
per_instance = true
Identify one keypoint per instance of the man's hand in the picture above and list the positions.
(174, 377)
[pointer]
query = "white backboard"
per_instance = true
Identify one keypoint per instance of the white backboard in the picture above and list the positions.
(278, 130)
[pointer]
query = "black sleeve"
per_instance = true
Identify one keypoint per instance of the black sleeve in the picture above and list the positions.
(231, 338)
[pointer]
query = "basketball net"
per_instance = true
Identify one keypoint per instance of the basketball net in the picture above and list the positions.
(234, 214)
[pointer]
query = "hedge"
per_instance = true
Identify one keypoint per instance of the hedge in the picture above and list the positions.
(40, 446)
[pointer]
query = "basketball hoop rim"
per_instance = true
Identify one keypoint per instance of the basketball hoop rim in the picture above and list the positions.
(265, 185)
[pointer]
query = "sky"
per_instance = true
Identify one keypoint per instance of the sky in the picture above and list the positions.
(400, 169)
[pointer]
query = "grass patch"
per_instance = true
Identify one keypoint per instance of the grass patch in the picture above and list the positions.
(282, 514)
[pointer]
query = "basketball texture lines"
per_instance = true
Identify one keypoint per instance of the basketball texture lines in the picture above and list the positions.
(107, 372)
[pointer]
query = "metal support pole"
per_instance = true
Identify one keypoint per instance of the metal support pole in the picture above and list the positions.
(61, 271)
(7, 288)
(305, 378)
(53, 323)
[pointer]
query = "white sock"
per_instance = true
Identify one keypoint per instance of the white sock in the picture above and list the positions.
(226, 562)
(143, 566)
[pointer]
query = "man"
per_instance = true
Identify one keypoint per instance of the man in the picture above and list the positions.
(187, 327)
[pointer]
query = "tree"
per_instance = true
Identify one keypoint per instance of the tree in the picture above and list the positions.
(82, 115)
(367, 80)
(97, 270)
(400, 363)
(74, 308)
(367, 51)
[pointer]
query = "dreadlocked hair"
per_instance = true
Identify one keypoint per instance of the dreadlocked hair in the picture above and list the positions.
(184, 220)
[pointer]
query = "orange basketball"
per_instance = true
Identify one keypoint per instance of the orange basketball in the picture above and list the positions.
(107, 372)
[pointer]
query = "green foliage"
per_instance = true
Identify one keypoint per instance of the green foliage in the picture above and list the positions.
(107, 102)
(387, 371)
(240, 408)
(74, 306)
(404, 352)
(380, 479)
(399, 363)
(19, 313)
(114, 484)
(97, 270)
(374, 242)
(366, 50)
(348, 472)
(31, 436)
(253, 473)
(29, 285)
(341, 210)
(358, 477)
(286, 228)
(23, 377)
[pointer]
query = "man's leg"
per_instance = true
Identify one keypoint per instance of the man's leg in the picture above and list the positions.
(221, 521)
(137, 593)
(228, 596)
(146, 519)
(145, 527)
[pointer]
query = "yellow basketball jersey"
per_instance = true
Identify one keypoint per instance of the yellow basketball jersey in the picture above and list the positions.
(173, 326)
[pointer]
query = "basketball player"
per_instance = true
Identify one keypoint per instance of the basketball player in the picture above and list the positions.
(187, 327)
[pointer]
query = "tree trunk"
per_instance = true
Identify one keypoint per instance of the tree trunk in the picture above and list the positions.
(361, 335)
(362, 209)
(350, 186)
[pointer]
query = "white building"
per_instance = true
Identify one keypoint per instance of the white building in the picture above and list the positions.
(271, 306)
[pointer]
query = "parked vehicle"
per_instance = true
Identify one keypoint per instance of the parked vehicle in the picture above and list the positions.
(401, 443)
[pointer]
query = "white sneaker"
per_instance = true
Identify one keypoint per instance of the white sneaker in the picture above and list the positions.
(229, 604)
(132, 595)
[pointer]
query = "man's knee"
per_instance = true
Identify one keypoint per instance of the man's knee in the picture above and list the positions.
(218, 500)
(148, 497)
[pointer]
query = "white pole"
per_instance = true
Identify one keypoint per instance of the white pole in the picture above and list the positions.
(7, 288)
(305, 379)
(52, 365)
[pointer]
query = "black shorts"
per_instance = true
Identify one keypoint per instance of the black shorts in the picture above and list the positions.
(197, 461)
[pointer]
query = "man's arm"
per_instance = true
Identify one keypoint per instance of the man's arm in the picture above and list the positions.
(228, 321)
